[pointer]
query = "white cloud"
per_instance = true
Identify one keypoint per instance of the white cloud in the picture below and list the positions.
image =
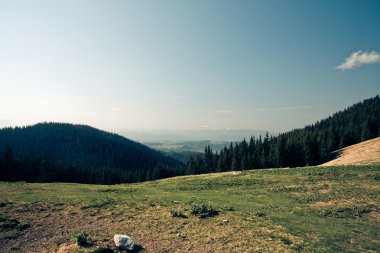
(358, 59)
(285, 108)
(226, 111)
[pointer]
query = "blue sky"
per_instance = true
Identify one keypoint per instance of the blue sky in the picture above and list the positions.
(117, 65)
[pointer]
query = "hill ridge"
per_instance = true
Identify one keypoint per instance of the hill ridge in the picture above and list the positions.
(79, 147)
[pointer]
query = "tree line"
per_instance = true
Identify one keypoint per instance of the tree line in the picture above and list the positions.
(43, 170)
(311, 145)
(67, 153)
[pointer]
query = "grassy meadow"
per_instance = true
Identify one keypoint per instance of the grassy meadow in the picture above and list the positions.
(312, 209)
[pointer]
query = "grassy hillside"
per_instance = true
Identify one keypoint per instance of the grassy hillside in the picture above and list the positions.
(367, 152)
(313, 209)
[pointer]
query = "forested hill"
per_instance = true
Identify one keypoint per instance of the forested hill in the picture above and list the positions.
(49, 152)
(79, 147)
(307, 146)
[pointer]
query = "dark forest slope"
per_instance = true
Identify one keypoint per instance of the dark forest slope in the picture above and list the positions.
(310, 145)
(79, 146)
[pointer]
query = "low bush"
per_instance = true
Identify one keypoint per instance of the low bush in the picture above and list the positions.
(22, 226)
(286, 241)
(311, 198)
(376, 177)
(229, 208)
(347, 212)
(177, 214)
(83, 239)
(203, 211)
(259, 214)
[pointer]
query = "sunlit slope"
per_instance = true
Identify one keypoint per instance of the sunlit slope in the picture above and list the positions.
(367, 152)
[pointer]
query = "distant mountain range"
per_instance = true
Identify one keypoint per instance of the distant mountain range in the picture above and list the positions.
(174, 136)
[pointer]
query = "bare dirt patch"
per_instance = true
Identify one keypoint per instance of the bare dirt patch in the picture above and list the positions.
(367, 152)
(51, 229)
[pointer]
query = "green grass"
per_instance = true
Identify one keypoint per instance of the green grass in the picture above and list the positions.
(312, 209)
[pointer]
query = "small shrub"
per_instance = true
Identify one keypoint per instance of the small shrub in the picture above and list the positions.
(289, 189)
(347, 212)
(83, 239)
(116, 190)
(22, 226)
(286, 241)
(59, 242)
(3, 217)
(259, 214)
(229, 208)
(40, 210)
(107, 190)
(203, 211)
(311, 198)
(177, 214)
(8, 223)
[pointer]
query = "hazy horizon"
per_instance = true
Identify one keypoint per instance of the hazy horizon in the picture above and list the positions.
(186, 65)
